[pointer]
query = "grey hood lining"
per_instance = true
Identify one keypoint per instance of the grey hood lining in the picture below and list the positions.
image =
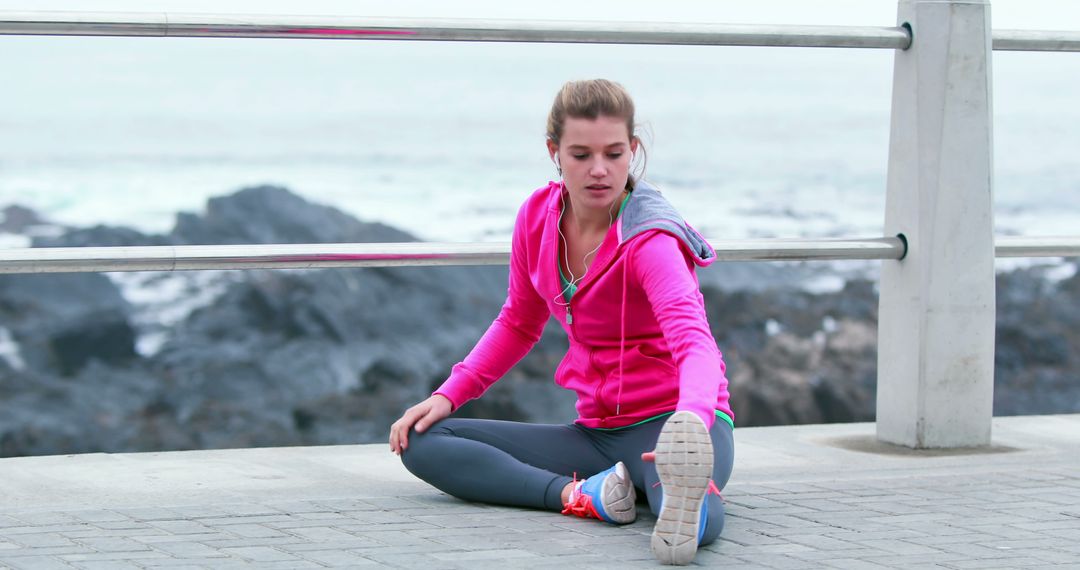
(647, 210)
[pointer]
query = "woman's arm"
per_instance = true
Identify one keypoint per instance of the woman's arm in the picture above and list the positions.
(665, 273)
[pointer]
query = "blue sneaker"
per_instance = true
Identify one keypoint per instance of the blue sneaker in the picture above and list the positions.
(609, 496)
(684, 462)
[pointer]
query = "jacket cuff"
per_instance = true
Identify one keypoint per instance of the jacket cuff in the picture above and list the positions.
(460, 387)
(707, 414)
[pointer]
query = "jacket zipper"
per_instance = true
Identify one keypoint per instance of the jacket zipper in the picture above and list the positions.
(600, 384)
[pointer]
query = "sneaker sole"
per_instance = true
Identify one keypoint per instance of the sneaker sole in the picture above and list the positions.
(684, 462)
(619, 496)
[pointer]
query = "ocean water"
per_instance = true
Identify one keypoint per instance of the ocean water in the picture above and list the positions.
(446, 139)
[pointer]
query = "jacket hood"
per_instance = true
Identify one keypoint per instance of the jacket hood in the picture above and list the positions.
(647, 209)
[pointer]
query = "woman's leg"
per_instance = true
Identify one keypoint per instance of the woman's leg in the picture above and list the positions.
(631, 442)
(500, 462)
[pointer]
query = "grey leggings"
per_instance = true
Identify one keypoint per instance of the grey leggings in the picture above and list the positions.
(527, 465)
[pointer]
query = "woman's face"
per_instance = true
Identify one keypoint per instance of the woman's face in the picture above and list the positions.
(595, 158)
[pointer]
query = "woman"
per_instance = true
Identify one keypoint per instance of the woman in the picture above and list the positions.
(614, 263)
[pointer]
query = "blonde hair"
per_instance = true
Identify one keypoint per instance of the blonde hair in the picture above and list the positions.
(590, 99)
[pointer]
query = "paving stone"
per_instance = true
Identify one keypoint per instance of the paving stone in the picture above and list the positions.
(43, 539)
(894, 534)
(181, 526)
(98, 556)
(483, 555)
(960, 538)
(165, 538)
(973, 550)
(189, 550)
(338, 558)
(899, 547)
(1072, 534)
(14, 531)
(113, 544)
(915, 518)
(428, 546)
(1048, 542)
(855, 564)
(242, 542)
(200, 512)
(235, 520)
(354, 543)
(300, 508)
(46, 551)
(99, 516)
(297, 522)
(259, 554)
(106, 565)
(778, 561)
(269, 565)
(1003, 562)
(853, 551)
(394, 526)
(173, 564)
(322, 534)
(253, 531)
(391, 503)
(820, 542)
(46, 518)
(551, 548)
(116, 527)
(248, 509)
(1055, 556)
(6, 521)
(35, 563)
(149, 513)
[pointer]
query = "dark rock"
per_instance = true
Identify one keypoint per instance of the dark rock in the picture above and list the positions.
(101, 236)
(16, 219)
(271, 214)
(63, 321)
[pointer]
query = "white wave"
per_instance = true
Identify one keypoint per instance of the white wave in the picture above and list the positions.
(9, 350)
(14, 240)
(162, 300)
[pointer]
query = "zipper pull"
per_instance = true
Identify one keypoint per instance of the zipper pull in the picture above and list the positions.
(569, 316)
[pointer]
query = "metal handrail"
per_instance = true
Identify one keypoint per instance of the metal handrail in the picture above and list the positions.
(311, 256)
(1032, 40)
(1016, 246)
(490, 30)
(167, 24)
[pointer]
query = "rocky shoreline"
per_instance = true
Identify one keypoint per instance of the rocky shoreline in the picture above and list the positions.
(197, 360)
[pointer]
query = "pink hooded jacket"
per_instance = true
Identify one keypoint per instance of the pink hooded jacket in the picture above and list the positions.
(640, 344)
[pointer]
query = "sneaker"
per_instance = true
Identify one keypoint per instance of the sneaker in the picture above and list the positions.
(684, 462)
(609, 496)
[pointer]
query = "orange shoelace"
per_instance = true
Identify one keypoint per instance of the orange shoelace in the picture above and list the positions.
(579, 504)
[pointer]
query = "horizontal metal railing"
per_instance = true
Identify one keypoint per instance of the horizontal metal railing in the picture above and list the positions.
(1016, 246)
(312, 256)
(354, 28)
(1032, 40)
(166, 24)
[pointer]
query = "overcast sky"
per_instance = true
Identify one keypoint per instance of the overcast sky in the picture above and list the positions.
(1026, 14)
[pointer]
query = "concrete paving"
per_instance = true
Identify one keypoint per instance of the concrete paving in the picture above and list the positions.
(801, 497)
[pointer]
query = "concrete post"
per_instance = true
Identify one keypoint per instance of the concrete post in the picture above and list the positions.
(936, 317)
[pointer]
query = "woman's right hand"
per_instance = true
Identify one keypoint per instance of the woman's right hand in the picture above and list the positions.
(421, 416)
